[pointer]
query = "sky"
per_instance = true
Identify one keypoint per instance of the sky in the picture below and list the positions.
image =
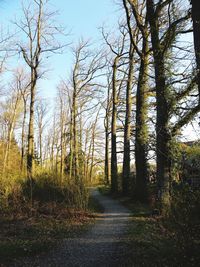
(81, 18)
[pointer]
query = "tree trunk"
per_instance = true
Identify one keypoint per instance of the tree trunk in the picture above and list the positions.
(71, 154)
(196, 34)
(106, 126)
(162, 131)
(30, 155)
(75, 137)
(127, 127)
(23, 135)
(114, 171)
(93, 145)
(141, 137)
(107, 164)
(40, 141)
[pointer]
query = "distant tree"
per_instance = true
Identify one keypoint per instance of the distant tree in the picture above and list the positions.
(83, 87)
(10, 116)
(107, 131)
(117, 47)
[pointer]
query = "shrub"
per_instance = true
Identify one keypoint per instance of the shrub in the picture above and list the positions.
(184, 218)
(47, 188)
(10, 192)
(16, 197)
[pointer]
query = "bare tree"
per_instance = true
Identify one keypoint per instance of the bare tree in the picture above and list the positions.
(107, 131)
(11, 114)
(117, 48)
(84, 86)
(24, 87)
(40, 34)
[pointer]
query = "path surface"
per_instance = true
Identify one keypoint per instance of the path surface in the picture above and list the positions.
(105, 244)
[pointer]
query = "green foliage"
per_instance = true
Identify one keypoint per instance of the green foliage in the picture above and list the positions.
(191, 161)
(175, 158)
(184, 219)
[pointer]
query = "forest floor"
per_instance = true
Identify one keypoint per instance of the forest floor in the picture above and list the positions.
(124, 234)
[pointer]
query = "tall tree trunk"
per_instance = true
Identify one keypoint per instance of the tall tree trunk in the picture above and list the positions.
(106, 126)
(30, 155)
(141, 137)
(71, 154)
(62, 133)
(162, 132)
(85, 155)
(80, 143)
(107, 163)
(40, 141)
(23, 135)
(75, 137)
(114, 171)
(127, 126)
(93, 144)
(196, 34)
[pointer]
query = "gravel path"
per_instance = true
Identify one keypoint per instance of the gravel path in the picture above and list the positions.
(105, 244)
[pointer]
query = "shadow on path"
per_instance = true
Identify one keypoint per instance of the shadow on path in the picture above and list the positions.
(105, 244)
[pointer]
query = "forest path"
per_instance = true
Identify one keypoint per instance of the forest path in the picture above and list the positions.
(106, 243)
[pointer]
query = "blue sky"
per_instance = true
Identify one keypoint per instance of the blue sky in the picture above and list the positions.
(81, 17)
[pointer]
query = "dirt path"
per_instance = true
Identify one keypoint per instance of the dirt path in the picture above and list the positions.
(105, 244)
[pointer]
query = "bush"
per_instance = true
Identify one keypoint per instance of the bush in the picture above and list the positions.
(10, 192)
(47, 188)
(16, 195)
(184, 219)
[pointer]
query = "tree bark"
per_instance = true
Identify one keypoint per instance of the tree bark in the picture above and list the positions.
(127, 126)
(23, 132)
(30, 153)
(75, 137)
(114, 170)
(196, 34)
(141, 137)
(106, 126)
(162, 128)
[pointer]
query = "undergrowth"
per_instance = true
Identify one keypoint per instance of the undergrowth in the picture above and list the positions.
(35, 220)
